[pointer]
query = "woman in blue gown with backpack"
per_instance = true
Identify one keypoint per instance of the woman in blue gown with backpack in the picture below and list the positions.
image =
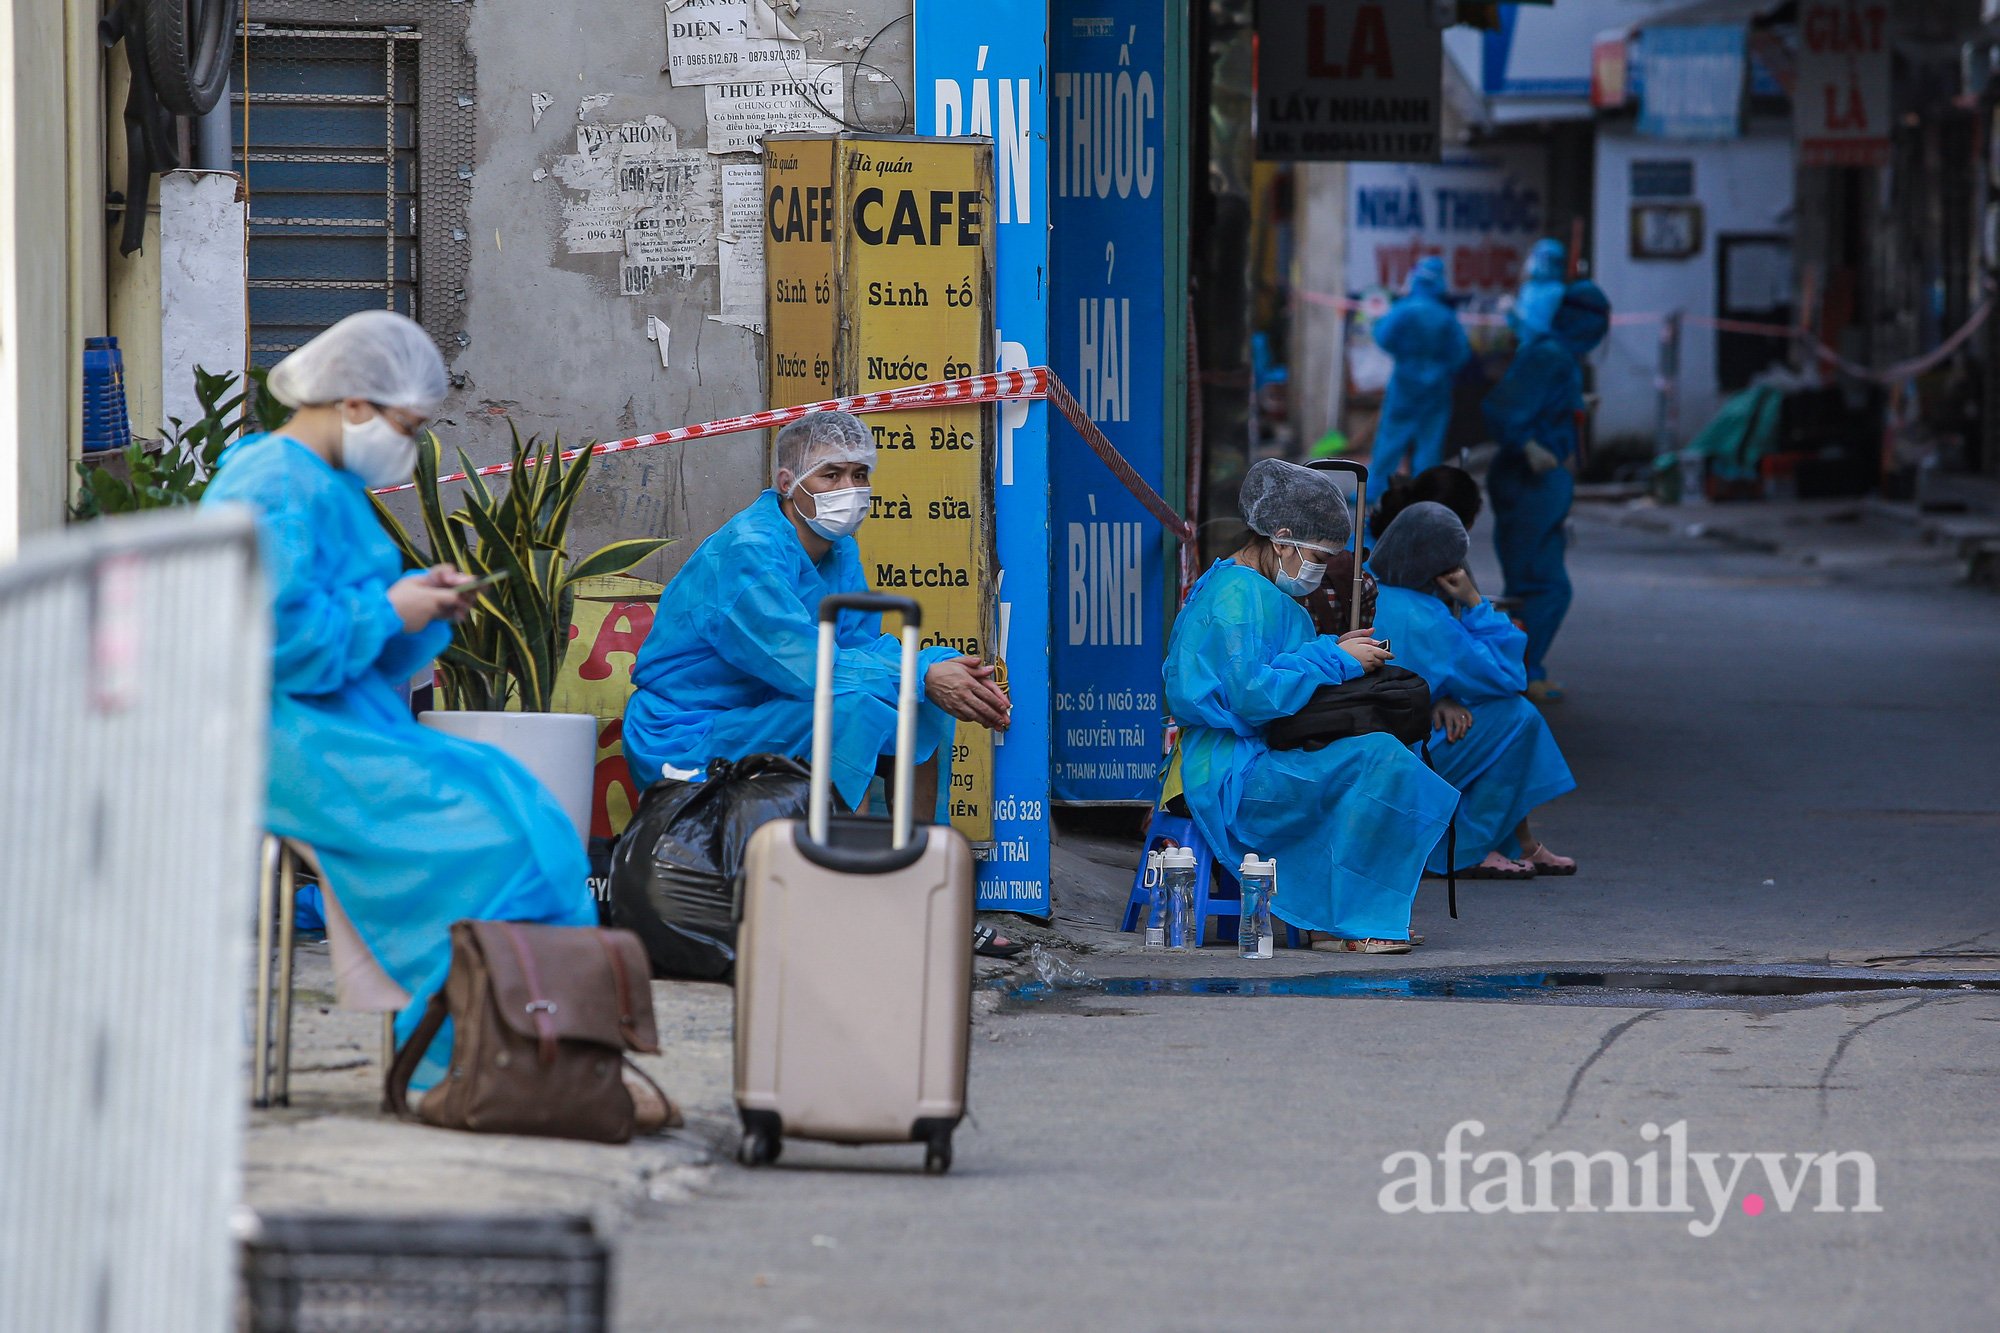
(1350, 824)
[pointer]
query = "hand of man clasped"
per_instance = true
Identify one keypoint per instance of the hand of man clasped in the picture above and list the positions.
(1454, 717)
(1359, 645)
(963, 687)
(430, 594)
(1458, 586)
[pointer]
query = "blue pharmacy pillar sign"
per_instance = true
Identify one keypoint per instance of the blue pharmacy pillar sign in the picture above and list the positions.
(981, 69)
(1106, 201)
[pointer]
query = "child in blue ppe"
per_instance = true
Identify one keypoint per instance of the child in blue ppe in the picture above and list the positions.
(1351, 824)
(728, 668)
(1421, 331)
(1532, 415)
(1490, 742)
(413, 829)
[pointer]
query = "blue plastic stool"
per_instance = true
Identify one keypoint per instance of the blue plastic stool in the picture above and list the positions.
(1174, 830)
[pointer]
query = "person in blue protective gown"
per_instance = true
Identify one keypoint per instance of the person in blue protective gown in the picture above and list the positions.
(413, 829)
(1421, 331)
(1542, 288)
(1532, 414)
(1490, 742)
(1351, 824)
(728, 668)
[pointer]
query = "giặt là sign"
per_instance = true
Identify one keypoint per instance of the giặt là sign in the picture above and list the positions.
(1840, 100)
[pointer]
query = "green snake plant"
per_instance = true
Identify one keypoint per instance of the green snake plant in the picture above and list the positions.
(511, 644)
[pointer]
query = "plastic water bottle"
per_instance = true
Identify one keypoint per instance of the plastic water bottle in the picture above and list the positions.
(1177, 876)
(1253, 931)
(1156, 904)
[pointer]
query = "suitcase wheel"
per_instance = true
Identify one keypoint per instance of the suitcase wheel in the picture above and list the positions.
(761, 1148)
(937, 1154)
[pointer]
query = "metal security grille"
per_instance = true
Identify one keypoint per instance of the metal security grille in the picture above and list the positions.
(332, 171)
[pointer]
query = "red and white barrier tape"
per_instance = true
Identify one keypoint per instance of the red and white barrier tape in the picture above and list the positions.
(1036, 382)
(1006, 384)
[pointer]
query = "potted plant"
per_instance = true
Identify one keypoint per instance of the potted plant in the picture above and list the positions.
(497, 678)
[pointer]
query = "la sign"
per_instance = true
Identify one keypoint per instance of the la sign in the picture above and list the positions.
(1348, 81)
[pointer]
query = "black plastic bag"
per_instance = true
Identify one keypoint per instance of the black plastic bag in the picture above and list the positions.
(673, 872)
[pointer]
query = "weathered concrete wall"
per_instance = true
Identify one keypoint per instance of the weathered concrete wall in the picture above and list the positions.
(551, 344)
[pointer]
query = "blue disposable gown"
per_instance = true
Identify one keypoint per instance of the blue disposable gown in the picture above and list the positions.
(1422, 332)
(1351, 824)
(1508, 763)
(728, 668)
(414, 829)
(1537, 401)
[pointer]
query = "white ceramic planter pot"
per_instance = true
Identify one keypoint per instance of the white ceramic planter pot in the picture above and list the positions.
(560, 749)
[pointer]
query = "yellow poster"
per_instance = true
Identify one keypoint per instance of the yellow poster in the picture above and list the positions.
(898, 229)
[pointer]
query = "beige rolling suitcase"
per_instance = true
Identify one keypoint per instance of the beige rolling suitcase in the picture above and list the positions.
(854, 956)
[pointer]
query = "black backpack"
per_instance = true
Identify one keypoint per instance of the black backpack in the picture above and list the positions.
(1389, 699)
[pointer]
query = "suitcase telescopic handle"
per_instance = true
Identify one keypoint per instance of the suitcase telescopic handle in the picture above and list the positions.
(1360, 471)
(906, 710)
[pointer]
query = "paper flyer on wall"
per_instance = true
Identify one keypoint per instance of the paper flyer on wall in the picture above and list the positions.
(728, 41)
(740, 247)
(741, 114)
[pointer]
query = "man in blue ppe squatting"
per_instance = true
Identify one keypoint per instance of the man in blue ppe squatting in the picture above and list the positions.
(1532, 414)
(1422, 333)
(728, 668)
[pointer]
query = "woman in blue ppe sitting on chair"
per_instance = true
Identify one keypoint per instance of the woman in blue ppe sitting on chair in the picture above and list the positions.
(1350, 824)
(728, 668)
(413, 829)
(1422, 333)
(1490, 743)
(1532, 414)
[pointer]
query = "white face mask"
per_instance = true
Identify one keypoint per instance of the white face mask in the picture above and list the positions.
(377, 452)
(835, 513)
(1303, 582)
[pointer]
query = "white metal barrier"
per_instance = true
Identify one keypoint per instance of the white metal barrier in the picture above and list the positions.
(133, 701)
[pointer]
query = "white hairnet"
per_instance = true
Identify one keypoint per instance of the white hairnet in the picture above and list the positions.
(1424, 541)
(1277, 494)
(810, 443)
(378, 355)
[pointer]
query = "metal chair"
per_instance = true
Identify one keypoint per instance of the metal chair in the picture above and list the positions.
(359, 981)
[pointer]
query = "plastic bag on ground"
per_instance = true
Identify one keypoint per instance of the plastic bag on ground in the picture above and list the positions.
(673, 873)
(1059, 973)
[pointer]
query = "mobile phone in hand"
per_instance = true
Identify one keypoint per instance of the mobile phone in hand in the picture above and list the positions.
(483, 581)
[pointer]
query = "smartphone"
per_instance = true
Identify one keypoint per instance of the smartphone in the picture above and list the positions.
(483, 581)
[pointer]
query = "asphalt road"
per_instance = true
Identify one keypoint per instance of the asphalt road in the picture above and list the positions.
(1777, 766)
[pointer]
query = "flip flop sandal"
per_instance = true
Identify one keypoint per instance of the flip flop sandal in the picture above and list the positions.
(1525, 870)
(1547, 862)
(1362, 946)
(1415, 939)
(983, 944)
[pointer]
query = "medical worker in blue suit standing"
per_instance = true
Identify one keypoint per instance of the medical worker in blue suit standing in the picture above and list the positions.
(728, 668)
(413, 829)
(1351, 824)
(1422, 333)
(1532, 414)
(1490, 742)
